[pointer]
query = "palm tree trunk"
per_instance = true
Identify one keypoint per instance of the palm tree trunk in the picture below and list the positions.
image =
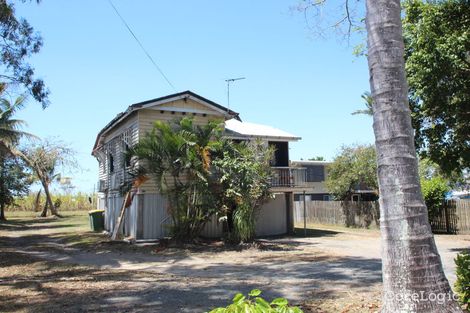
(411, 266)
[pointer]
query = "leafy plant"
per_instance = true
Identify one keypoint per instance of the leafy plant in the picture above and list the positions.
(353, 168)
(462, 285)
(245, 176)
(179, 155)
(255, 304)
(437, 63)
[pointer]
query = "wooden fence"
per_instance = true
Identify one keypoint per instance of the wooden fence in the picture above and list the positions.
(346, 213)
(452, 218)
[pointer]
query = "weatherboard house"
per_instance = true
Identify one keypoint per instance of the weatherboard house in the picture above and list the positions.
(147, 217)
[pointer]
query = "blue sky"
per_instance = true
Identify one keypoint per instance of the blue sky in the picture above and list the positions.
(294, 81)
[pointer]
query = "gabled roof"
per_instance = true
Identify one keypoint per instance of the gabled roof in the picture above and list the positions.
(240, 130)
(183, 95)
(162, 100)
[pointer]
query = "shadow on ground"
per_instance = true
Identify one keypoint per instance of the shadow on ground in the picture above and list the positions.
(59, 287)
(310, 232)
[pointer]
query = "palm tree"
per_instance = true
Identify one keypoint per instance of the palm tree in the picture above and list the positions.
(178, 156)
(10, 128)
(368, 103)
(411, 266)
(10, 134)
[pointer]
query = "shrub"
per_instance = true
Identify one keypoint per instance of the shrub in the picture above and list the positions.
(255, 304)
(462, 285)
(434, 193)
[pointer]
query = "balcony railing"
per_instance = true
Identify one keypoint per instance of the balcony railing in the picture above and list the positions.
(289, 177)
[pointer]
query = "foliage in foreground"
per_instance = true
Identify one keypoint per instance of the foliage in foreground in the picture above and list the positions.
(437, 57)
(255, 304)
(462, 284)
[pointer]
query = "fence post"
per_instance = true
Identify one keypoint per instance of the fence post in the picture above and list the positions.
(446, 215)
(305, 216)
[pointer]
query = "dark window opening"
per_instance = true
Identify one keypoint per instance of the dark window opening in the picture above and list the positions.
(111, 163)
(238, 141)
(281, 153)
(127, 157)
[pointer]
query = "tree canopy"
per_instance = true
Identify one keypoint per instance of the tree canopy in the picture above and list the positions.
(353, 167)
(47, 160)
(14, 181)
(19, 42)
(437, 53)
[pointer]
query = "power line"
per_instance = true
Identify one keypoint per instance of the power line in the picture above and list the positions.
(141, 46)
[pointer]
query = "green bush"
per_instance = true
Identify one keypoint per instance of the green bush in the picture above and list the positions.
(462, 285)
(255, 304)
(434, 193)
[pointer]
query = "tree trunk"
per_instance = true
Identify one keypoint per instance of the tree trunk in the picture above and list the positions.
(37, 201)
(2, 192)
(2, 212)
(413, 278)
(49, 203)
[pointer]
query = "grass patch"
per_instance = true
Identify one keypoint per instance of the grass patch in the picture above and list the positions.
(73, 229)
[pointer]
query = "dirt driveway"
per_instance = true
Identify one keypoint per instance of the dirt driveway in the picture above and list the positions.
(328, 271)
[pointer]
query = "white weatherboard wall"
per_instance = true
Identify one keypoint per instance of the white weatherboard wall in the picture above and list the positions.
(272, 218)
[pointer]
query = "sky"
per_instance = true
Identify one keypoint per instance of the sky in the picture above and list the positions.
(295, 80)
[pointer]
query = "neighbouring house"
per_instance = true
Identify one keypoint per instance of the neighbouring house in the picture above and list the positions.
(147, 217)
(314, 188)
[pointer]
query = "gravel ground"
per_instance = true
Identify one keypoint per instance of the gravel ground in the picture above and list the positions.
(331, 271)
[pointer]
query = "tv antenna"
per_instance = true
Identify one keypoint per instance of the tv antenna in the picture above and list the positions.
(231, 80)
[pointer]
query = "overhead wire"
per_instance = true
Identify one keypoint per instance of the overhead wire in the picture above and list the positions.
(141, 45)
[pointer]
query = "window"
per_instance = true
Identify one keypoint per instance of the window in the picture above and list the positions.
(315, 173)
(111, 163)
(127, 158)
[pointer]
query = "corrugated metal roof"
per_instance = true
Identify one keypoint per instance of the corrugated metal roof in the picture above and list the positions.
(238, 129)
